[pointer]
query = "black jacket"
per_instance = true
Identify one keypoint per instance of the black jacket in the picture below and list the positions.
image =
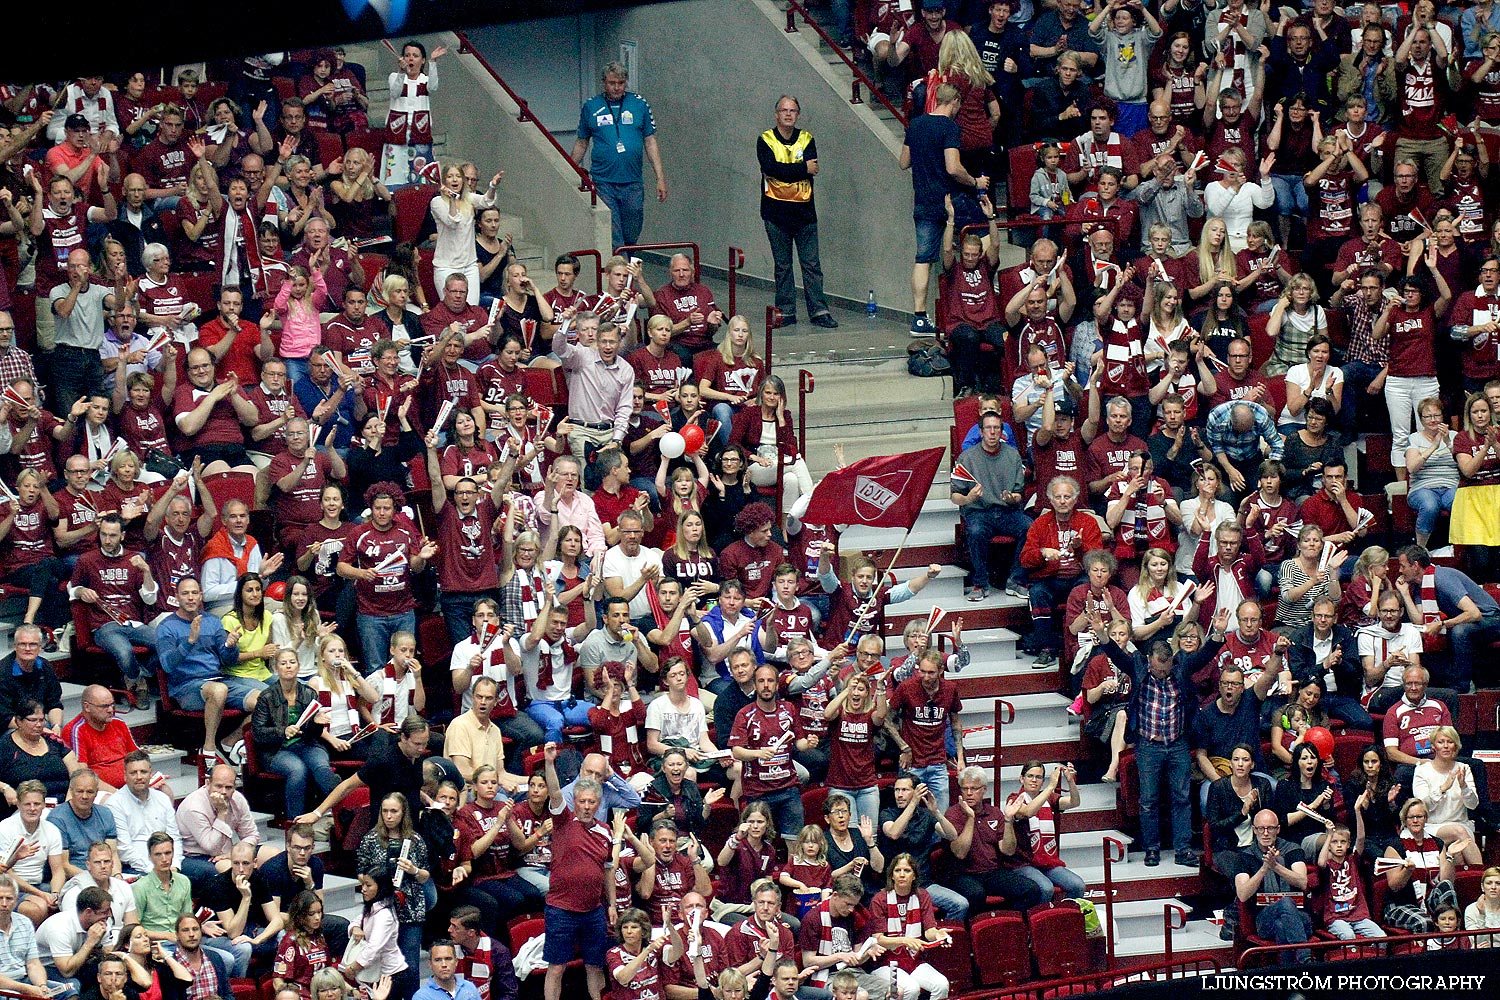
(269, 720)
(1347, 675)
(40, 685)
(1138, 666)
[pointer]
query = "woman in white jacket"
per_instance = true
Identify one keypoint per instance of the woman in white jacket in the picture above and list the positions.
(1233, 198)
(454, 209)
(374, 950)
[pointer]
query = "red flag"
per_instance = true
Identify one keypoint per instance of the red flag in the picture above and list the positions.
(883, 492)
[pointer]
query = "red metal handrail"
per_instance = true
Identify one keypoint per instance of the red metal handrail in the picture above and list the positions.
(1171, 913)
(736, 263)
(598, 266)
(1252, 957)
(795, 9)
(805, 387)
(697, 267)
(1114, 853)
(585, 182)
(1091, 981)
(1005, 714)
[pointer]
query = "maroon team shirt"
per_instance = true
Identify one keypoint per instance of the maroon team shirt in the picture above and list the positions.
(390, 592)
(471, 823)
(222, 426)
(578, 886)
(742, 378)
(1223, 136)
(1231, 388)
(679, 303)
(61, 235)
(757, 729)
(791, 623)
(1059, 457)
(344, 336)
(145, 430)
(1105, 456)
(466, 549)
(925, 720)
(323, 571)
(301, 504)
(659, 375)
(116, 582)
(472, 462)
(470, 318)
(984, 850)
(851, 750)
(30, 537)
(172, 560)
(647, 984)
(970, 296)
(37, 452)
(1411, 340)
(270, 407)
(386, 396)
(495, 383)
(73, 512)
(673, 881)
(163, 166)
(752, 567)
(439, 384)
(1331, 206)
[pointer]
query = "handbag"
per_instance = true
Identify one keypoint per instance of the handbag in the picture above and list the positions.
(926, 359)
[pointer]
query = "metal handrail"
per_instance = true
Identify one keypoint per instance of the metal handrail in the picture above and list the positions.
(598, 266)
(1114, 853)
(793, 11)
(585, 182)
(1089, 982)
(805, 387)
(1361, 945)
(1005, 714)
(736, 264)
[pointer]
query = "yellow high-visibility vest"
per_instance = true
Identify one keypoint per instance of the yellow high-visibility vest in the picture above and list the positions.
(793, 191)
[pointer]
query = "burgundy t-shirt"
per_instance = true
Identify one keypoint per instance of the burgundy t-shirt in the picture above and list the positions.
(495, 383)
(851, 750)
(752, 567)
(441, 383)
(145, 430)
(466, 548)
(660, 375)
(984, 850)
(924, 720)
(471, 318)
(73, 513)
(1411, 339)
(339, 334)
(648, 983)
(473, 462)
(757, 729)
(679, 303)
(117, 583)
(578, 886)
(37, 453)
(471, 823)
(30, 538)
(741, 379)
(269, 408)
(390, 592)
(173, 560)
(323, 571)
(302, 504)
(222, 426)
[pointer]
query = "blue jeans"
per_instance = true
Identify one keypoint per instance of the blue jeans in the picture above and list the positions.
(723, 413)
(1429, 502)
(296, 368)
(375, 633)
(627, 210)
(1283, 923)
(199, 869)
(297, 763)
(983, 524)
(786, 807)
(804, 240)
(1464, 644)
(1346, 930)
(117, 640)
(1291, 194)
(237, 955)
(1156, 762)
(1047, 879)
(458, 614)
(866, 802)
(1049, 602)
(1341, 706)
(950, 904)
(552, 716)
(647, 485)
(935, 777)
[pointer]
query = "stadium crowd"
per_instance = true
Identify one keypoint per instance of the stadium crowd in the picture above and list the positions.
(642, 637)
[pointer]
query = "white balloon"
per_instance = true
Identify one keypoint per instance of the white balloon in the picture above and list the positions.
(672, 444)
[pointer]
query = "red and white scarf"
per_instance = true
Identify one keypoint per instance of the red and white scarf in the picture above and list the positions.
(1124, 354)
(1091, 156)
(1235, 52)
(531, 585)
(240, 232)
(825, 941)
(1430, 611)
(554, 670)
(903, 918)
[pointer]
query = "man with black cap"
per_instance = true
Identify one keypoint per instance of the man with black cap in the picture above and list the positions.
(78, 153)
(922, 40)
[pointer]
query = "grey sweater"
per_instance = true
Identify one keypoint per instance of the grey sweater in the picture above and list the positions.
(998, 474)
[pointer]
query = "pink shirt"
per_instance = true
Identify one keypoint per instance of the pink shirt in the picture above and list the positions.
(580, 513)
(301, 330)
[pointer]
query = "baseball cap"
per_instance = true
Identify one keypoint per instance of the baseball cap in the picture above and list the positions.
(934, 5)
(1063, 406)
(77, 121)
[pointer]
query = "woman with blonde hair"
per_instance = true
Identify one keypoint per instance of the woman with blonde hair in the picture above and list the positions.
(304, 200)
(345, 694)
(401, 319)
(453, 209)
(356, 193)
(1166, 323)
(1295, 319)
(1360, 597)
(1215, 260)
(1475, 522)
(978, 109)
(731, 375)
(198, 212)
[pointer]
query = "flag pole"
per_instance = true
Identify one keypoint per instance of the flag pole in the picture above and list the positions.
(879, 586)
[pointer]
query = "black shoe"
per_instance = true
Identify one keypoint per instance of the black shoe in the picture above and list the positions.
(1226, 931)
(1188, 858)
(826, 321)
(1153, 857)
(786, 321)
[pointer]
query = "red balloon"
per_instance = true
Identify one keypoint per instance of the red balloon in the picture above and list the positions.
(1322, 739)
(692, 436)
(276, 591)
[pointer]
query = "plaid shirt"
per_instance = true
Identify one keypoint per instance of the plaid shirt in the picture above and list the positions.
(1362, 345)
(16, 363)
(1161, 718)
(1242, 447)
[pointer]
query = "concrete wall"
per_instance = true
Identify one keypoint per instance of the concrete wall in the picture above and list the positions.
(478, 120)
(712, 72)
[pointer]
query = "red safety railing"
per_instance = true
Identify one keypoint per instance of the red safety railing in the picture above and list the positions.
(598, 259)
(1114, 853)
(697, 264)
(1093, 982)
(1173, 918)
(805, 387)
(795, 10)
(773, 320)
(1005, 714)
(736, 264)
(585, 182)
(1329, 948)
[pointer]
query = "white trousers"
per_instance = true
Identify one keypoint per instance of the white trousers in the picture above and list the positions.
(1402, 394)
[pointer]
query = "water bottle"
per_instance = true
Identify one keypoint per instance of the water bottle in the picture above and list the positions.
(870, 307)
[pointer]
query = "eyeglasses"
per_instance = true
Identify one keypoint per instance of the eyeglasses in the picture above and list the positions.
(1267, 829)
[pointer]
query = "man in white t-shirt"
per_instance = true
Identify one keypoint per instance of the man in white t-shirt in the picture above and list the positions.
(101, 862)
(1387, 650)
(33, 852)
(630, 567)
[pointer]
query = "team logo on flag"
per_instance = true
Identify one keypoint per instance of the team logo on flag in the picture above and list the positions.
(873, 495)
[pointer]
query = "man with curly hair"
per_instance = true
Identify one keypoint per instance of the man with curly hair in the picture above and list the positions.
(753, 559)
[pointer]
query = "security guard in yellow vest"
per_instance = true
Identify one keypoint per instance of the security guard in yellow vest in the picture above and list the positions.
(788, 162)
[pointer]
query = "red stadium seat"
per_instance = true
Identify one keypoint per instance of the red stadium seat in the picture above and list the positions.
(330, 148)
(184, 725)
(370, 140)
(1275, 394)
(1000, 950)
(226, 486)
(262, 785)
(410, 205)
(1261, 342)
(546, 386)
(955, 961)
(286, 87)
(1059, 945)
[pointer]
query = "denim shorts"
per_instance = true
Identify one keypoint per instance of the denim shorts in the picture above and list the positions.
(570, 933)
(930, 240)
